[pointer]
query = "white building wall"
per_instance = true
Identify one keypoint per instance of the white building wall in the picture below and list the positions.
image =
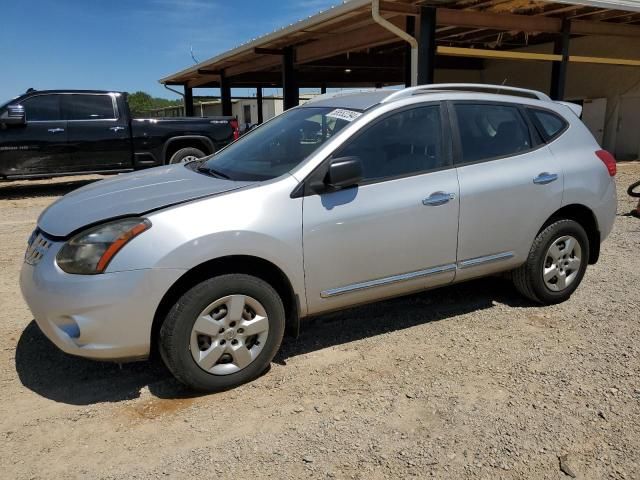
(584, 81)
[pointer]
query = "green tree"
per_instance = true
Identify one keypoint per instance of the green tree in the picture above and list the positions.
(142, 102)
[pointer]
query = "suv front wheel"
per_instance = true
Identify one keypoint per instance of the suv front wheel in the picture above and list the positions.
(223, 332)
(556, 263)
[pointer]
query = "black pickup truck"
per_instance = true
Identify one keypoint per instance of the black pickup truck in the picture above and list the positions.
(66, 132)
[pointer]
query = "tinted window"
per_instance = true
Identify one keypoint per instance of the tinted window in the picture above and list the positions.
(42, 108)
(88, 107)
(548, 123)
(491, 131)
(279, 145)
(403, 143)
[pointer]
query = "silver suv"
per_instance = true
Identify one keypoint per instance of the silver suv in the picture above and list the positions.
(348, 199)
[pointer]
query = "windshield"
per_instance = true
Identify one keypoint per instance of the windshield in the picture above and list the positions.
(279, 145)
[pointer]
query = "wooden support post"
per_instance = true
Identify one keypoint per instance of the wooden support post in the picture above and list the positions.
(188, 101)
(259, 101)
(427, 46)
(559, 69)
(290, 92)
(225, 96)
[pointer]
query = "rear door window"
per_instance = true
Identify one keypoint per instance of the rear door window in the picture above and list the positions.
(489, 131)
(42, 108)
(549, 124)
(88, 107)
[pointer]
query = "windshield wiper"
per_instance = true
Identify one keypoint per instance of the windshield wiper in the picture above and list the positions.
(213, 172)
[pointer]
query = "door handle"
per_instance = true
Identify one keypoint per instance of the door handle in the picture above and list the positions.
(544, 178)
(116, 129)
(56, 130)
(438, 198)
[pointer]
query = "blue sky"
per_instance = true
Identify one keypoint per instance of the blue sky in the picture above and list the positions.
(127, 45)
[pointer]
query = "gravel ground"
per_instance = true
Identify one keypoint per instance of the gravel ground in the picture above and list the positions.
(469, 381)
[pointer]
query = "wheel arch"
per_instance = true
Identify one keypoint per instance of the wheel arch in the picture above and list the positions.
(587, 219)
(247, 264)
(173, 144)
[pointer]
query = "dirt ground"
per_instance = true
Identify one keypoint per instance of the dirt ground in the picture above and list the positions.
(469, 381)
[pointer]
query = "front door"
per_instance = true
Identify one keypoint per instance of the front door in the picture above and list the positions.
(396, 231)
(39, 146)
(99, 136)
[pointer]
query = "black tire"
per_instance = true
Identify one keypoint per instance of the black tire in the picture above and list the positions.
(184, 153)
(175, 333)
(528, 278)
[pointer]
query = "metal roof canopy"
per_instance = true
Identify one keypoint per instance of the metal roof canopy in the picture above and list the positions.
(343, 45)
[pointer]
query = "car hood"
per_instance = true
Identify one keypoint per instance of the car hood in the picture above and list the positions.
(130, 194)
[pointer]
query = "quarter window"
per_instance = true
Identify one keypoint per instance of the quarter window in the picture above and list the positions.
(404, 143)
(88, 107)
(42, 108)
(549, 124)
(491, 131)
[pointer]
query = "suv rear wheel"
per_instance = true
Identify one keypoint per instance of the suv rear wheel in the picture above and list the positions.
(223, 332)
(556, 264)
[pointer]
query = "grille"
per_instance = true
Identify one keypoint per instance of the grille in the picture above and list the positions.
(38, 246)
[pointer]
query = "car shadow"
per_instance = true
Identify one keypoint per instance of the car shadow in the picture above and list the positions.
(35, 188)
(47, 371)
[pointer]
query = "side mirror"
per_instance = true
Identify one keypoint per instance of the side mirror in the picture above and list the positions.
(344, 172)
(13, 115)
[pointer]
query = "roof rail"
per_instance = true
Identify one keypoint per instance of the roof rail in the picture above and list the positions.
(468, 87)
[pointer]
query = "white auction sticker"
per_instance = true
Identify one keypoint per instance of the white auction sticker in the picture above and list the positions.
(342, 114)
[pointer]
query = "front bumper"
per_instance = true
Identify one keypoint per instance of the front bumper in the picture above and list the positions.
(106, 317)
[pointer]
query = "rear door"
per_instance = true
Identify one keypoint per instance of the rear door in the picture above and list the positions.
(99, 136)
(510, 183)
(39, 146)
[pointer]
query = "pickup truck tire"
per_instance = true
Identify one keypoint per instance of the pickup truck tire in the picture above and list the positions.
(222, 332)
(186, 155)
(556, 263)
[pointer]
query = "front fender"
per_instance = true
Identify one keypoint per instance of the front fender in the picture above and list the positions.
(262, 222)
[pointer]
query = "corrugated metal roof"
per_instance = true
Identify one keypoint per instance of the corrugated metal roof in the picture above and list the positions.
(316, 37)
(633, 5)
(334, 11)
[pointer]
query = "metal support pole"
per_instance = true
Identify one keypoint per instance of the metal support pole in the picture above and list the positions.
(411, 30)
(225, 96)
(188, 101)
(259, 100)
(559, 69)
(427, 46)
(290, 92)
(323, 88)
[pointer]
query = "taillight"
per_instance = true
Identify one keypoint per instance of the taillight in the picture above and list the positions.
(236, 129)
(609, 161)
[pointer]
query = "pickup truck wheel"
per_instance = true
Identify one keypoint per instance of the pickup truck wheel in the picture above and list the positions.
(556, 264)
(223, 332)
(186, 155)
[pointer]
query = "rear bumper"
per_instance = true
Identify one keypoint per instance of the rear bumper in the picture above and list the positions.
(606, 211)
(105, 317)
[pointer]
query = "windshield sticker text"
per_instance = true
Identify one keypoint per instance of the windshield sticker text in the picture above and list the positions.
(342, 114)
